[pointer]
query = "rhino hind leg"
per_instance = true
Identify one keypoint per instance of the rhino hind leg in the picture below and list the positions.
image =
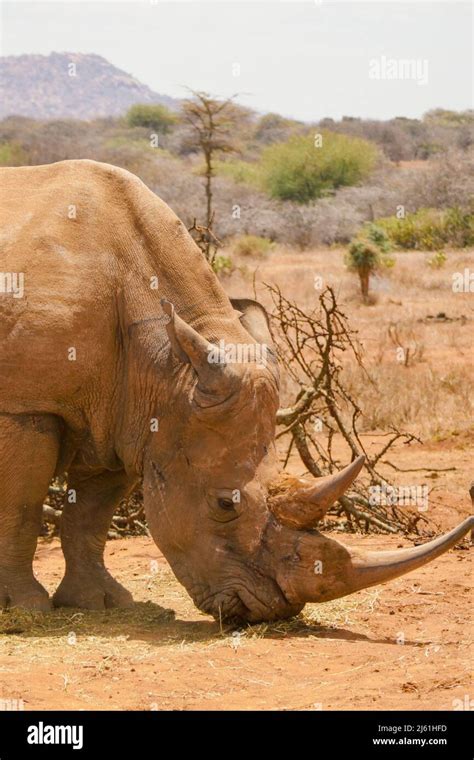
(84, 525)
(29, 446)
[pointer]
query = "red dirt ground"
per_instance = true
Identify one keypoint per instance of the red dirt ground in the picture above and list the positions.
(406, 645)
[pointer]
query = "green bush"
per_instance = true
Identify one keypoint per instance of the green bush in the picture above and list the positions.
(444, 117)
(155, 117)
(242, 172)
(378, 235)
(11, 154)
(437, 260)
(222, 265)
(363, 254)
(368, 254)
(252, 245)
(298, 170)
(430, 229)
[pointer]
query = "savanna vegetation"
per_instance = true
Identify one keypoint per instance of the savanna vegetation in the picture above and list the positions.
(292, 183)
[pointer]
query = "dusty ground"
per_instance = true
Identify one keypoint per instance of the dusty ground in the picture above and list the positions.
(406, 645)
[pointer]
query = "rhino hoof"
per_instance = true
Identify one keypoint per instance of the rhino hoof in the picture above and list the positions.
(27, 595)
(92, 592)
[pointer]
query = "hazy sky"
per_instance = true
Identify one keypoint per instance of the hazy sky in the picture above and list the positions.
(302, 59)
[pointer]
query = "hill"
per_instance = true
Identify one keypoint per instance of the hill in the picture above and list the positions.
(69, 85)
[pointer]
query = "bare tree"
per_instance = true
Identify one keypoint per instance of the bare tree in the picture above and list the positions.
(213, 129)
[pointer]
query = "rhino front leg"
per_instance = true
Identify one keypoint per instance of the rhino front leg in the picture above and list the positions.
(84, 526)
(29, 446)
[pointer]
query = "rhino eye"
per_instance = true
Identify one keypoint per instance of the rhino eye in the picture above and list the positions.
(226, 504)
(221, 505)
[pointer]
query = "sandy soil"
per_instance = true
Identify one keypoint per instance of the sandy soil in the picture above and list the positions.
(406, 645)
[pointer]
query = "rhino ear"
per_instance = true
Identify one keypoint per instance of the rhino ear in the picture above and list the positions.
(216, 379)
(254, 318)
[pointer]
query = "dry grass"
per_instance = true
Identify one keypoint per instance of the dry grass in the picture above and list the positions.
(430, 403)
(148, 619)
(433, 395)
(60, 622)
(317, 617)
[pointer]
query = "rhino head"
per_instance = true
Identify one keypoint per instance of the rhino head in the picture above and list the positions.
(241, 538)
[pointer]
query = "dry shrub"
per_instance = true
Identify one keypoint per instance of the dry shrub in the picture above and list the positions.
(435, 393)
(252, 245)
(434, 401)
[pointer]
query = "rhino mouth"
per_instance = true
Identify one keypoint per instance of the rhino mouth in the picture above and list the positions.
(227, 608)
(244, 605)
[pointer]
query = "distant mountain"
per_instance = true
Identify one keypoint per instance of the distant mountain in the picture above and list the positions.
(69, 85)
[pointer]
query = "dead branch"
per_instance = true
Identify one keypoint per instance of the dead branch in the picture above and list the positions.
(419, 469)
(310, 348)
(51, 515)
(206, 239)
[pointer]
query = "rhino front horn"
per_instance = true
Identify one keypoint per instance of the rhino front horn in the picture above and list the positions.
(302, 505)
(323, 569)
(379, 567)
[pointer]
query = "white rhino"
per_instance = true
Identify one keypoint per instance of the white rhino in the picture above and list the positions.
(108, 311)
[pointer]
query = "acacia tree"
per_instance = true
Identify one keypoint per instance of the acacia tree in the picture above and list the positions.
(213, 129)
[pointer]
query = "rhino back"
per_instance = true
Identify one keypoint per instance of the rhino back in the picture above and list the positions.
(90, 241)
